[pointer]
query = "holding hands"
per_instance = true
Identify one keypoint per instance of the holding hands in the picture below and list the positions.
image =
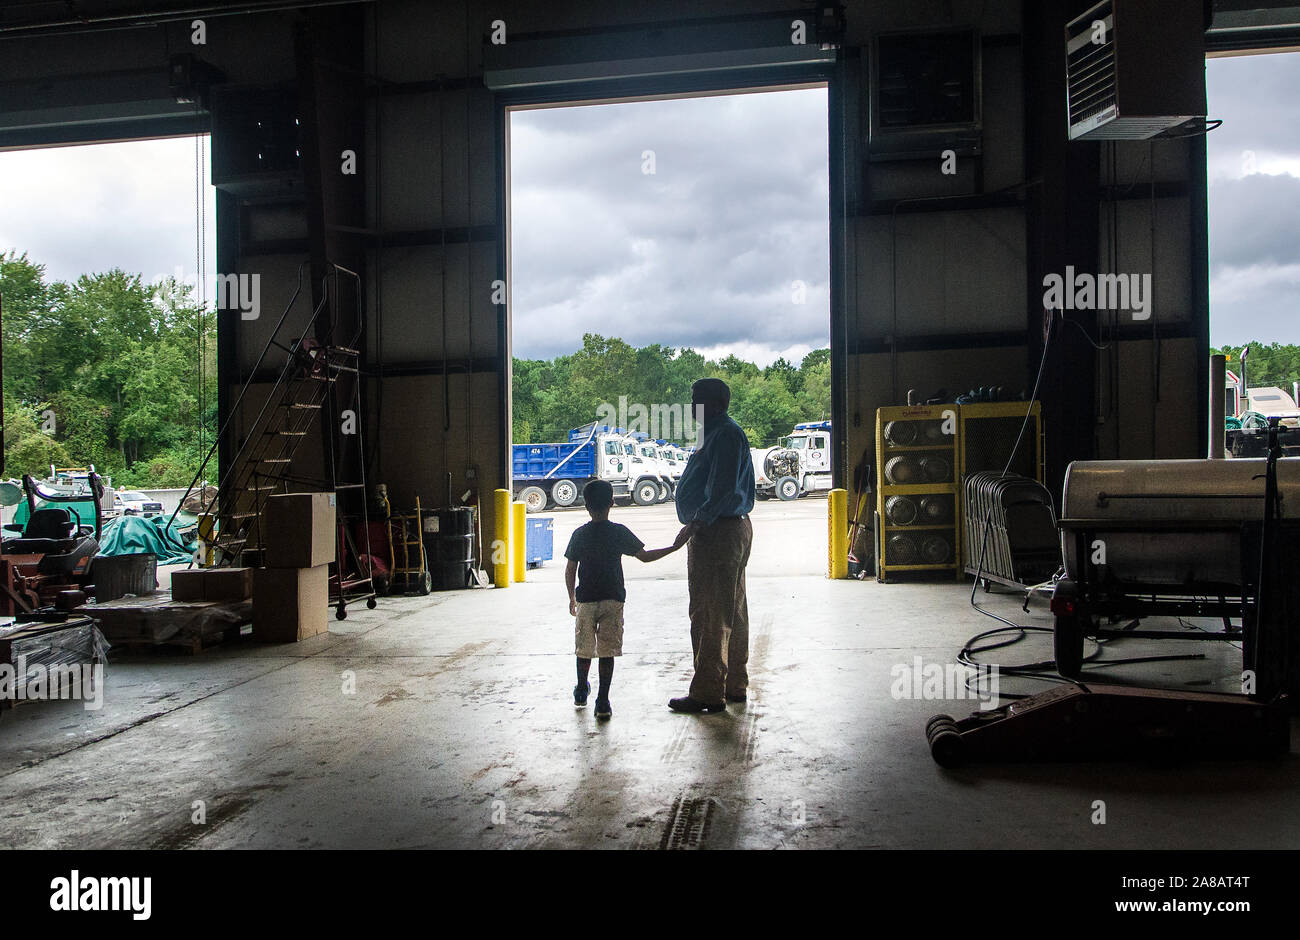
(684, 535)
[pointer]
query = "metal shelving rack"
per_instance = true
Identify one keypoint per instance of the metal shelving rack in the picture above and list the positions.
(923, 431)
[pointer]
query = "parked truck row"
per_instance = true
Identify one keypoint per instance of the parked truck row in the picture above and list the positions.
(640, 470)
(645, 471)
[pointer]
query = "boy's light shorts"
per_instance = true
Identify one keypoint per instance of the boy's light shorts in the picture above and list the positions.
(599, 630)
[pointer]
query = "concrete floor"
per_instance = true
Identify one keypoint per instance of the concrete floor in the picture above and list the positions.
(462, 733)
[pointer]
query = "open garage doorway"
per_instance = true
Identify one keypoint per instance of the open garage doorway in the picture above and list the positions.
(1254, 213)
(108, 279)
(653, 242)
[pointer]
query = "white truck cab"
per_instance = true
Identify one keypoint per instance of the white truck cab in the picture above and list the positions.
(676, 459)
(668, 458)
(613, 463)
(643, 475)
(1273, 402)
(650, 455)
(800, 464)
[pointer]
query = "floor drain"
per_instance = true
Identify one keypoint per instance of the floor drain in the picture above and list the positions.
(688, 824)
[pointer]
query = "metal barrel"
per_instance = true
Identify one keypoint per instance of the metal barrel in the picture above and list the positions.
(450, 548)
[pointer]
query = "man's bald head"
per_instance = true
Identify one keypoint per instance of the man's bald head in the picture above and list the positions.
(713, 395)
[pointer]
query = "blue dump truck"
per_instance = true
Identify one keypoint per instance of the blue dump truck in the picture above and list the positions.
(554, 474)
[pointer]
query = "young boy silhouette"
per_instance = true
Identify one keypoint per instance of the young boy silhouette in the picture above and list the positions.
(594, 577)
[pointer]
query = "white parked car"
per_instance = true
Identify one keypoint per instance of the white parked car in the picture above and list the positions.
(135, 503)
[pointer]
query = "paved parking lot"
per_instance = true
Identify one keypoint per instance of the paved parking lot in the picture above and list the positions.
(789, 539)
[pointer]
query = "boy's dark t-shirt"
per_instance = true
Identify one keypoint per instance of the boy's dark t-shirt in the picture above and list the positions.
(598, 548)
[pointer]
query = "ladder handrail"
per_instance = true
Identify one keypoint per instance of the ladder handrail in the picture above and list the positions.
(289, 363)
(287, 368)
(239, 401)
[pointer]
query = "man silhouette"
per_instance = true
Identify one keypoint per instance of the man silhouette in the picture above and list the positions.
(714, 498)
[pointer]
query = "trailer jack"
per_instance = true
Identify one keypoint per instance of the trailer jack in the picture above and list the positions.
(1105, 722)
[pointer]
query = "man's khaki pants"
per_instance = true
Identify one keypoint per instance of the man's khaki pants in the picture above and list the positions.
(716, 557)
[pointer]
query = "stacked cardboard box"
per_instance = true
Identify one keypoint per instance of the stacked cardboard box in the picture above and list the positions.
(212, 584)
(291, 594)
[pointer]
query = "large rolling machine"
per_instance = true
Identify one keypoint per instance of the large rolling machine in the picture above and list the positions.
(1162, 538)
(1175, 538)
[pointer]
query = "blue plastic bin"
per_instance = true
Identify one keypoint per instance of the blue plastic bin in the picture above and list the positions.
(539, 540)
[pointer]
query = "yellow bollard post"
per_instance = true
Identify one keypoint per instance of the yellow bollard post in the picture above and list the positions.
(837, 534)
(501, 543)
(519, 532)
(207, 534)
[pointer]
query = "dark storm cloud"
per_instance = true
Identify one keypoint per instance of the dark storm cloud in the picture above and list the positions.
(1254, 169)
(703, 252)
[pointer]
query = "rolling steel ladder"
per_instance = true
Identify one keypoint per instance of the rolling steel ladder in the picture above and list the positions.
(302, 399)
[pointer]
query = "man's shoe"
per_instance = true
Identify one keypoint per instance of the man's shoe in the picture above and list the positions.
(695, 707)
(736, 698)
(603, 709)
(580, 693)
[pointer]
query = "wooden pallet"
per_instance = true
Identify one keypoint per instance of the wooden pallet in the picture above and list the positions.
(193, 645)
(157, 620)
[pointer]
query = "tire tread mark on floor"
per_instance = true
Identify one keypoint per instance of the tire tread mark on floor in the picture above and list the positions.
(189, 834)
(677, 743)
(689, 820)
(747, 741)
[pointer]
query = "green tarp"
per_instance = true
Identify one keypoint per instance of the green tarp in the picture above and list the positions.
(131, 535)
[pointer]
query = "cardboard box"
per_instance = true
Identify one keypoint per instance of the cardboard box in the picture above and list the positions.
(212, 584)
(299, 530)
(227, 584)
(290, 604)
(187, 584)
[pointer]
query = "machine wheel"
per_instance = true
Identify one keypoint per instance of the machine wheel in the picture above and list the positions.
(947, 746)
(1067, 644)
(936, 720)
(564, 493)
(534, 498)
(425, 584)
(341, 613)
(665, 493)
(645, 492)
(787, 488)
(371, 603)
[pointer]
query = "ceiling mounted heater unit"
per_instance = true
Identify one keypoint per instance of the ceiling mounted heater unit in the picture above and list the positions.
(1135, 69)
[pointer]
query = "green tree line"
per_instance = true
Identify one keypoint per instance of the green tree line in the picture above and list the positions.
(551, 396)
(1268, 364)
(105, 370)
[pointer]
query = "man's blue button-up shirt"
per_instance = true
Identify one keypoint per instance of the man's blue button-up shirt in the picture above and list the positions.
(719, 478)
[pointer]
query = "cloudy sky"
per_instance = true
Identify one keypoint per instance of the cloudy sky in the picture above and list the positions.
(82, 210)
(703, 251)
(1254, 169)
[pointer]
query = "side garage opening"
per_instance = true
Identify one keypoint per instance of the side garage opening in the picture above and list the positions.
(1254, 193)
(107, 269)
